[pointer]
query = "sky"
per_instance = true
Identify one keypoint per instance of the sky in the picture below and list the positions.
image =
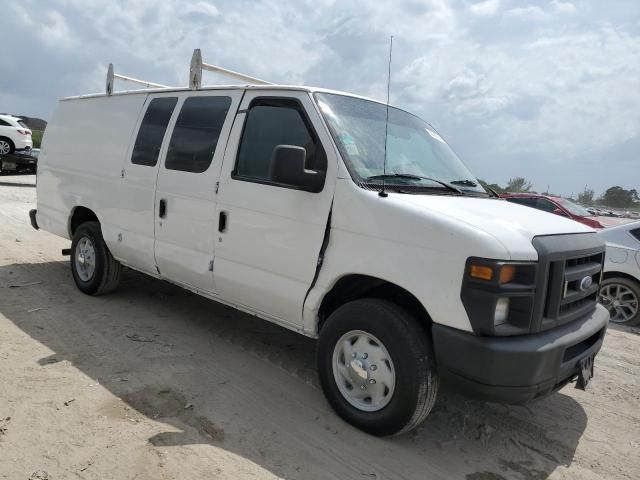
(548, 90)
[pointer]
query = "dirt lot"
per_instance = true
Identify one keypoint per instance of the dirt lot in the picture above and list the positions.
(153, 382)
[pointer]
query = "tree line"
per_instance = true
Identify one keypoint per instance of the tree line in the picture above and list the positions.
(615, 197)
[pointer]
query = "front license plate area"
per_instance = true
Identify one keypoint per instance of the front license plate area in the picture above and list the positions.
(585, 373)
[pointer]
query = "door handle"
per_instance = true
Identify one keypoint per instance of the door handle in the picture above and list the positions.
(222, 221)
(162, 209)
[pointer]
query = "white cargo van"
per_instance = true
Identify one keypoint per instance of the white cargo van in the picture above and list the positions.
(276, 200)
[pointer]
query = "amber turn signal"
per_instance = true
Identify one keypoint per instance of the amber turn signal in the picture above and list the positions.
(481, 272)
(507, 273)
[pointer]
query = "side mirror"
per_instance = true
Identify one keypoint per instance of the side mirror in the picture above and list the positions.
(287, 166)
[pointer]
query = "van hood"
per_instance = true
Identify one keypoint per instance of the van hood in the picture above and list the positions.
(513, 225)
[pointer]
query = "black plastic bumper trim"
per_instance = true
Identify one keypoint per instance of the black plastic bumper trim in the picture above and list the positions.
(520, 368)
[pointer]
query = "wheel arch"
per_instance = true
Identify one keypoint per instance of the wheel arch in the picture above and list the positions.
(79, 215)
(614, 274)
(11, 142)
(355, 286)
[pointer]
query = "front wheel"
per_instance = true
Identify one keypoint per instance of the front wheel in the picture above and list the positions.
(376, 367)
(621, 297)
(94, 269)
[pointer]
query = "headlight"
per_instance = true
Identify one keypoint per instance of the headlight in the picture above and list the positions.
(498, 295)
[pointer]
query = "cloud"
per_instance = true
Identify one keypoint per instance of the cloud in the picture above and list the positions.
(563, 7)
(517, 88)
(203, 8)
(487, 8)
(530, 12)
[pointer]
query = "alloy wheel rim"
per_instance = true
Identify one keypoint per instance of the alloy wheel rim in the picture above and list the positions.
(4, 147)
(363, 371)
(85, 259)
(621, 302)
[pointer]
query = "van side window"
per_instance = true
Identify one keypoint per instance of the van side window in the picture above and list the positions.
(269, 123)
(196, 133)
(152, 130)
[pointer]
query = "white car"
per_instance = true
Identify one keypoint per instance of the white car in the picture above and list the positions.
(14, 135)
(280, 201)
(620, 292)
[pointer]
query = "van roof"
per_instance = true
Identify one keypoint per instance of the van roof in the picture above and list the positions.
(300, 88)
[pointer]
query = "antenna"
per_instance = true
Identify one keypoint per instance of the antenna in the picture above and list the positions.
(382, 192)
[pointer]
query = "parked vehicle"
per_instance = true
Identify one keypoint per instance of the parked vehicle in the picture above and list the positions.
(20, 161)
(280, 201)
(556, 205)
(620, 291)
(14, 135)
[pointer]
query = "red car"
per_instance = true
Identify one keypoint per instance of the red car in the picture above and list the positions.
(558, 205)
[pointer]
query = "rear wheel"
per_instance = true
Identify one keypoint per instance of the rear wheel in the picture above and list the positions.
(6, 146)
(376, 367)
(621, 297)
(94, 269)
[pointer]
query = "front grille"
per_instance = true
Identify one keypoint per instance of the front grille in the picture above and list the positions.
(573, 288)
(570, 275)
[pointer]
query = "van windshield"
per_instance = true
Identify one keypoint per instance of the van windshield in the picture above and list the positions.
(417, 157)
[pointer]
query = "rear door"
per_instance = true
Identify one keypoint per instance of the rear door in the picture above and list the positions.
(270, 234)
(139, 174)
(185, 217)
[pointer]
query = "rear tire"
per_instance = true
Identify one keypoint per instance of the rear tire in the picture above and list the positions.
(94, 269)
(351, 353)
(621, 297)
(6, 146)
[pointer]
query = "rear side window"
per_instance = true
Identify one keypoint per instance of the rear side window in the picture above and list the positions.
(273, 122)
(152, 130)
(636, 233)
(529, 202)
(196, 133)
(546, 205)
(4, 124)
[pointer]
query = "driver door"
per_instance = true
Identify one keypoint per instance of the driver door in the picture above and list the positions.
(270, 234)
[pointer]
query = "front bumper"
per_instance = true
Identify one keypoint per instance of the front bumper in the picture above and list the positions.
(521, 368)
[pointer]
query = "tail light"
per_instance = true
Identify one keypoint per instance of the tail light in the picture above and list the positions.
(24, 132)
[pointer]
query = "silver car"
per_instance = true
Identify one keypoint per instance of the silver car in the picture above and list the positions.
(620, 292)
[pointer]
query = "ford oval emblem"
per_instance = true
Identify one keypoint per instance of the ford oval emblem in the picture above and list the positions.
(586, 283)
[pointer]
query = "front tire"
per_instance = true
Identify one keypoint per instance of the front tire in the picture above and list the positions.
(621, 297)
(94, 269)
(376, 367)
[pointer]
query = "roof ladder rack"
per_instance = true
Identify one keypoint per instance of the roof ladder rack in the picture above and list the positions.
(197, 66)
(111, 76)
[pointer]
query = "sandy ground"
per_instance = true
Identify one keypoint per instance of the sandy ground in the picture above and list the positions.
(153, 382)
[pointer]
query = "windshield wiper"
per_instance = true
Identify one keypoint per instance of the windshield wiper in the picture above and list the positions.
(410, 176)
(471, 183)
(466, 183)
